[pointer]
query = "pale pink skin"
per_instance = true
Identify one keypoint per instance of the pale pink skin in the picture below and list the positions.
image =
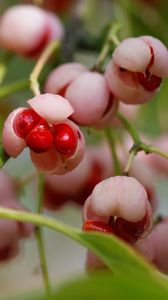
(53, 108)
(146, 176)
(132, 93)
(89, 95)
(24, 28)
(155, 246)
(46, 162)
(12, 143)
(56, 27)
(62, 76)
(109, 116)
(52, 162)
(134, 55)
(119, 196)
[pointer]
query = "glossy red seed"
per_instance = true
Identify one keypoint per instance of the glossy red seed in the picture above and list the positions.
(129, 231)
(40, 139)
(91, 225)
(149, 82)
(25, 122)
(65, 139)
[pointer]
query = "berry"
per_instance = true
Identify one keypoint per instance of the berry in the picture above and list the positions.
(25, 122)
(65, 139)
(32, 29)
(91, 225)
(40, 139)
(136, 69)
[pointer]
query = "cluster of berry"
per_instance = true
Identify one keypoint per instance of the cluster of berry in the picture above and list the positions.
(75, 95)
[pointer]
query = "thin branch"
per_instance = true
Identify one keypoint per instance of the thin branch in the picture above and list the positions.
(34, 76)
(111, 140)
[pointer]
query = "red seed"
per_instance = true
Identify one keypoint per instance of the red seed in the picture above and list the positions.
(129, 231)
(149, 82)
(25, 122)
(40, 139)
(65, 139)
(97, 226)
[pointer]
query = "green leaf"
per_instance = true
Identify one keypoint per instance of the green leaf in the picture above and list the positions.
(105, 287)
(129, 270)
(117, 255)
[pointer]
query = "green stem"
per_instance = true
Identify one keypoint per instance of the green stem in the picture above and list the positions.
(3, 156)
(152, 149)
(131, 157)
(132, 131)
(34, 76)
(11, 88)
(39, 238)
(111, 140)
(39, 220)
(111, 39)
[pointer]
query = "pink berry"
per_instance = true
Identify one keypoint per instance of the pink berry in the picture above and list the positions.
(32, 29)
(137, 68)
(123, 200)
(60, 78)
(40, 138)
(89, 95)
(87, 92)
